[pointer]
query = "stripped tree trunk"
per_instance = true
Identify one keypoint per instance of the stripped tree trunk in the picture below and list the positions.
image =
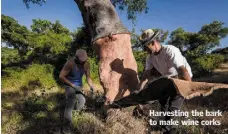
(111, 41)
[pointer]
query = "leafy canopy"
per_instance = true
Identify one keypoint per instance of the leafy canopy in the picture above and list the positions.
(200, 42)
(45, 39)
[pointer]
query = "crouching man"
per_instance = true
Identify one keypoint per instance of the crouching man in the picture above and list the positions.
(168, 61)
(71, 74)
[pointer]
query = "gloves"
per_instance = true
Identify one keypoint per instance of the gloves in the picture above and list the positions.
(136, 91)
(92, 92)
(78, 90)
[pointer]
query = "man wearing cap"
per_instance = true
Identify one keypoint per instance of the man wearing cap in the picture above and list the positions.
(71, 74)
(169, 62)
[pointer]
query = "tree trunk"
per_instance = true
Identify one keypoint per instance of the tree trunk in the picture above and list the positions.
(112, 42)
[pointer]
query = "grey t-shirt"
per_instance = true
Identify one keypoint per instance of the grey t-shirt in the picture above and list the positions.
(167, 61)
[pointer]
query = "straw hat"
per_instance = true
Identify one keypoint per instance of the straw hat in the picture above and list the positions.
(147, 36)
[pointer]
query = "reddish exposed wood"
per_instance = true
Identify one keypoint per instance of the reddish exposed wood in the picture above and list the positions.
(118, 68)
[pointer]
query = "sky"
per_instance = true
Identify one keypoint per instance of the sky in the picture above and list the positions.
(169, 15)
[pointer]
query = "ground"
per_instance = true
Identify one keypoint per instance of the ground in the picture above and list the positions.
(38, 111)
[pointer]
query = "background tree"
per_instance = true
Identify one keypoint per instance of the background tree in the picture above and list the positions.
(201, 42)
(15, 35)
(45, 42)
(82, 39)
(40, 26)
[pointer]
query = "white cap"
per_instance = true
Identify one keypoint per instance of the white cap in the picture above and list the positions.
(81, 54)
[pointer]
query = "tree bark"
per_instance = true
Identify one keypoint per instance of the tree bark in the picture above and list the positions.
(112, 42)
(100, 18)
(165, 87)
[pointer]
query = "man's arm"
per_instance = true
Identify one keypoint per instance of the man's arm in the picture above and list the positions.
(178, 61)
(87, 73)
(146, 73)
(144, 79)
(65, 71)
(183, 73)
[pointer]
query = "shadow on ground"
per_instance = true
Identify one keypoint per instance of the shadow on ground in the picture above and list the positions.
(41, 113)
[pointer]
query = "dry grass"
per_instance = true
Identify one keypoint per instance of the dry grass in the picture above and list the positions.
(120, 122)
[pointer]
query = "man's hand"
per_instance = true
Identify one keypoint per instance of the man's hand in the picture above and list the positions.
(136, 92)
(91, 90)
(77, 89)
(183, 73)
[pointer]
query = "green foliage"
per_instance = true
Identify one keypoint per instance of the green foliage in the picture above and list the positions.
(13, 34)
(132, 6)
(201, 42)
(38, 75)
(50, 39)
(9, 55)
(179, 38)
(58, 28)
(42, 26)
(94, 71)
(51, 44)
(39, 2)
(82, 39)
(140, 58)
(206, 63)
(44, 43)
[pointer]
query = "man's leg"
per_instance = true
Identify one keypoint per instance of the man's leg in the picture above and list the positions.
(175, 103)
(164, 107)
(70, 103)
(80, 101)
(164, 103)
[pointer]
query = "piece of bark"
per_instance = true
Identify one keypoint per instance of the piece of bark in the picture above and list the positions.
(165, 87)
(190, 89)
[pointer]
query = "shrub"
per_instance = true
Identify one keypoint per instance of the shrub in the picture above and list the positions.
(9, 55)
(206, 63)
(140, 58)
(34, 75)
(94, 71)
